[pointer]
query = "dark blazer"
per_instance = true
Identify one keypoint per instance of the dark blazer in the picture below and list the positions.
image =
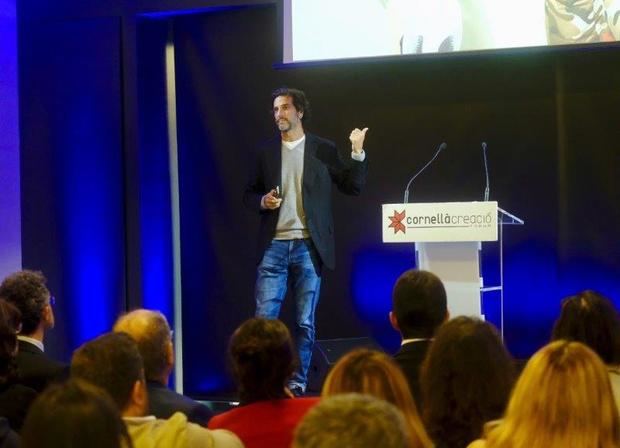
(164, 402)
(410, 358)
(8, 438)
(15, 401)
(36, 369)
(323, 166)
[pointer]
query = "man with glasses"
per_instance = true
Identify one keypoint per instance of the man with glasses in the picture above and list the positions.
(28, 292)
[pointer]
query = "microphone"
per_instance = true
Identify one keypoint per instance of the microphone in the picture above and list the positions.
(486, 171)
(441, 148)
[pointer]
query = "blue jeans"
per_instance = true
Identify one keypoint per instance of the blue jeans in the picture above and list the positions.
(299, 260)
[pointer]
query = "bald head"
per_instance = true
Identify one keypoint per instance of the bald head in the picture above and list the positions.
(152, 334)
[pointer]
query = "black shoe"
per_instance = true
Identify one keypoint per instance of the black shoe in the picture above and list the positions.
(297, 391)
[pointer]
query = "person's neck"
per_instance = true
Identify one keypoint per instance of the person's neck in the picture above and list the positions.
(38, 334)
(163, 379)
(292, 135)
(133, 410)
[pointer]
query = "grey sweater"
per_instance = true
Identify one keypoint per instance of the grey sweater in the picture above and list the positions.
(292, 218)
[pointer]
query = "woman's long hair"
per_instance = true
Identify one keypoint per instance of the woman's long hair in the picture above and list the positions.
(262, 358)
(10, 324)
(562, 399)
(590, 318)
(466, 381)
(374, 373)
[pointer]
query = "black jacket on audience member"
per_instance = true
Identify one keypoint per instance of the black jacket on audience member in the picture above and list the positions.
(15, 400)
(410, 358)
(36, 369)
(164, 402)
(8, 438)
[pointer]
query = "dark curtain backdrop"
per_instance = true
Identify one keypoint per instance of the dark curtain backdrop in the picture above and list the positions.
(72, 173)
(547, 118)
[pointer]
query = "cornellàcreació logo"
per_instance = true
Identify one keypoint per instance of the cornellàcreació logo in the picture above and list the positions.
(397, 222)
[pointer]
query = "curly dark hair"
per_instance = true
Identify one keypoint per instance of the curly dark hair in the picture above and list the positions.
(466, 381)
(263, 359)
(27, 291)
(300, 101)
(10, 322)
(590, 318)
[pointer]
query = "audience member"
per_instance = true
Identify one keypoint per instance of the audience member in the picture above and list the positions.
(8, 437)
(374, 373)
(263, 360)
(112, 361)
(466, 380)
(74, 414)
(562, 399)
(419, 307)
(352, 420)
(27, 291)
(152, 333)
(15, 398)
(590, 318)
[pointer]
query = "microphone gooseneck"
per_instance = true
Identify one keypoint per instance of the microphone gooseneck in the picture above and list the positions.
(487, 189)
(406, 196)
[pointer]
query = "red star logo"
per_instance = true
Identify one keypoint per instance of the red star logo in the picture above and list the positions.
(397, 221)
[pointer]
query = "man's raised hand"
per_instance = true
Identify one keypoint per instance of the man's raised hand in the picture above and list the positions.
(357, 139)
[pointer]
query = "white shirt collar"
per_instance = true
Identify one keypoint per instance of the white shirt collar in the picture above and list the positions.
(146, 418)
(32, 341)
(407, 341)
(291, 145)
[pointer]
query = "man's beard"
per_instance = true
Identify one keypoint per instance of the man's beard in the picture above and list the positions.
(283, 125)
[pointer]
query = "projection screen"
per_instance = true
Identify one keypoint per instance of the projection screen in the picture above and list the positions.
(339, 29)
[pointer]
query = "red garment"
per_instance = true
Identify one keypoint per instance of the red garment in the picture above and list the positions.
(265, 424)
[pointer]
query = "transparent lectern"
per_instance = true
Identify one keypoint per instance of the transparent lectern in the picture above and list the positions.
(448, 240)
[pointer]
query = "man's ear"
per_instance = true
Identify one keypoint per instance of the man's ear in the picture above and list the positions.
(48, 316)
(170, 353)
(394, 321)
(139, 395)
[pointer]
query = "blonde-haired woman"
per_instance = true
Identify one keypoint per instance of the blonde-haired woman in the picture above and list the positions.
(562, 399)
(374, 373)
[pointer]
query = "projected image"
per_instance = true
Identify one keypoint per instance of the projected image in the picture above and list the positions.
(582, 21)
(334, 29)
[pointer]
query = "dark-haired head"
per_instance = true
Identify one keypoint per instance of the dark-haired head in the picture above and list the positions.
(262, 357)
(74, 414)
(299, 99)
(112, 362)
(10, 324)
(27, 291)
(590, 318)
(466, 380)
(419, 304)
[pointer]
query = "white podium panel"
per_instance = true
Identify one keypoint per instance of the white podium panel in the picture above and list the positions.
(457, 265)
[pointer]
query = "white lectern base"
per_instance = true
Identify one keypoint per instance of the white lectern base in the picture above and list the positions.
(457, 265)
